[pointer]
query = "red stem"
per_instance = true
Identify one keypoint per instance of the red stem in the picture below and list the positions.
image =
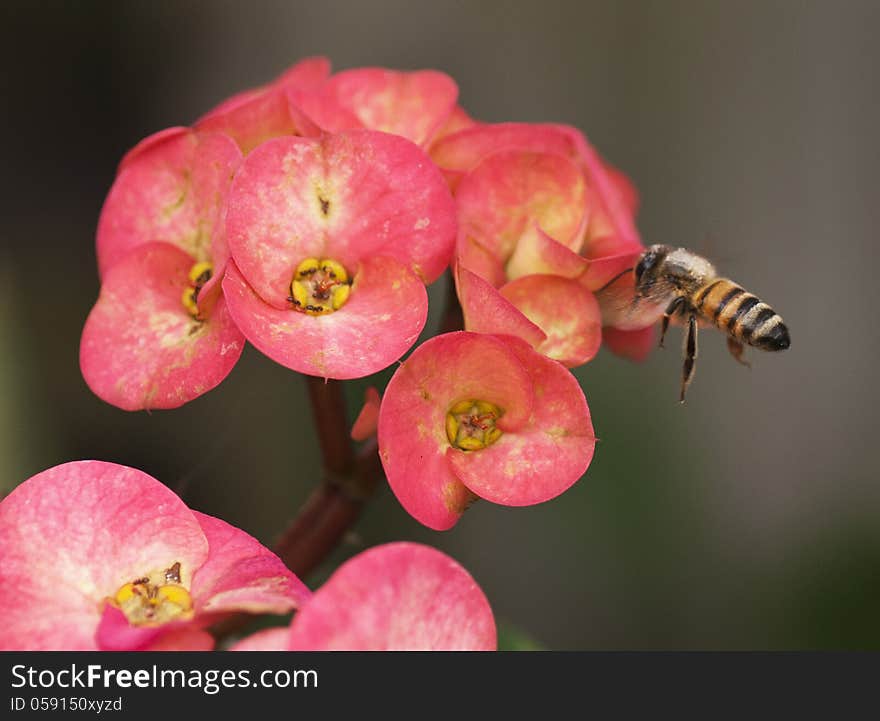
(334, 506)
(331, 509)
(328, 410)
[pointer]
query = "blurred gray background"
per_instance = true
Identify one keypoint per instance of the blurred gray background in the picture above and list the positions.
(748, 518)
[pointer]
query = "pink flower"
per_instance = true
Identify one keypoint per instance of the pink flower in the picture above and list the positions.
(333, 241)
(469, 415)
(522, 217)
(415, 105)
(160, 333)
(537, 200)
(400, 596)
(98, 556)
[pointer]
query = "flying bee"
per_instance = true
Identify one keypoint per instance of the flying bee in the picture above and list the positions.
(692, 291)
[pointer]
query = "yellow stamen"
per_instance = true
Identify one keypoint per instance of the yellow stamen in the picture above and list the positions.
(198, 275)
(451, 428)
(307, 267)
(334, 270)
(190, 301)
(340, 295)
(470, 425)
(201, 273)
(152, 601)
(319, 286)
(125, 593)
(300, 294)
(177, 595)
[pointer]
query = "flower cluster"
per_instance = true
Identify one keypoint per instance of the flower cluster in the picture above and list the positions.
(307, 216)
(98, 556)
(545, 227)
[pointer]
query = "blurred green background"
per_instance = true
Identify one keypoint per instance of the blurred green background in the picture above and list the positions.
(748, 518)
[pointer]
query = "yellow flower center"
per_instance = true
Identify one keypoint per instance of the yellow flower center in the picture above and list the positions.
(470, 425)
(154, 599)
(199, 274)
(319, 286)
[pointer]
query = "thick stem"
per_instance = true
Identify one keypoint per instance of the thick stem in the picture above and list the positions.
(331, 509)
(328, 410)
(336, 503)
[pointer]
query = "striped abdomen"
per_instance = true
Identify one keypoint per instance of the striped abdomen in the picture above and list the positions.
(741, 315)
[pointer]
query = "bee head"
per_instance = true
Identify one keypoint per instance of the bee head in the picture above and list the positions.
(649, 261)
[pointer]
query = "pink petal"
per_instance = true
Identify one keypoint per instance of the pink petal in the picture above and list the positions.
(232, 103)
(510, 192)
(141, 348)
(72, 536)
(412, 419)
(367, 422)
(412, 104)
(269, 639)
(464, 150)
(633, 344)
(383, 317)
(400, 596)
(488, 311)
(150, 142)
(170, 188)
(470, 254)
(115, 633)
(564, 310)
(240, 574)
(308, 74)
(256, 117)
(603, 269)
(324, 110)
(538, 253)
(423, 482)
(345, 197)
(541, 460)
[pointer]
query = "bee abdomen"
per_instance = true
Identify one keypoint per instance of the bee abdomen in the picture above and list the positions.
(742, 315)
(763, 328)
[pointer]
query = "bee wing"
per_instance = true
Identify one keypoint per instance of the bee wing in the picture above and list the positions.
(622, 309)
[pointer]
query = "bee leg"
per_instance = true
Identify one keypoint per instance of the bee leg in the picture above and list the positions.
(736, 350)
(690, 354)
(671, 310)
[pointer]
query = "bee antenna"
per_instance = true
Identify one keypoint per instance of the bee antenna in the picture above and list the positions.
(614, 279)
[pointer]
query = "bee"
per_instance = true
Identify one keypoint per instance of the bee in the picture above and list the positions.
(692, 291)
